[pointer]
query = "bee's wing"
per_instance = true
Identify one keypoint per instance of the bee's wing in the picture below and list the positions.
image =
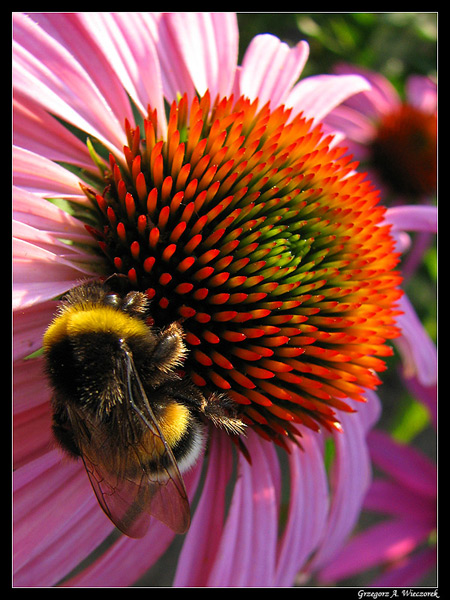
(121, 500)
(130, 502)
(127, 487)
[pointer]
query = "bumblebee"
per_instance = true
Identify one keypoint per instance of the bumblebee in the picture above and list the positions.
(121, 405)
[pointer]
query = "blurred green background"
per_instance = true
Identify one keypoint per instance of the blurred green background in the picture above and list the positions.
(395, 44)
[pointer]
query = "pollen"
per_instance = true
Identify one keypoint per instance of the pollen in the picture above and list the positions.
(253, 230)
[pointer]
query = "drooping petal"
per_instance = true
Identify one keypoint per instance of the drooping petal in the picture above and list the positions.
(308, 509)
(248, 545)
(417, 348)
(32, 415)
(29, 325)
(350, 480)
(199, 550)
(394, 499)
(415, 345)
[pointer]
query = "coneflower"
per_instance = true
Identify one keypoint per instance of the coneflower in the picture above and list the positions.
(142, 149)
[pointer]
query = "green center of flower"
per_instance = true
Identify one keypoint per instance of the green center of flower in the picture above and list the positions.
(244, 225)
(404, 151)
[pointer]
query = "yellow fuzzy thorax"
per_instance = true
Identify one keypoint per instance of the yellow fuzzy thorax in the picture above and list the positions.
(79, 319)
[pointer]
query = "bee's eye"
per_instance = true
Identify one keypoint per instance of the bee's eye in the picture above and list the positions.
(113, 300)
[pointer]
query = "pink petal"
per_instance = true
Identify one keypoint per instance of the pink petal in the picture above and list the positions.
(175, 75)
(247, 549)
(208, 44)
(40, 275)
(413, 218)
(125, 561)
(50, 241)
(40, 214)
(379, 100)
(308, 509)
(369, 413)
(316, 96)
(36, 130)
(394, 499)
(29, 386)
(270, 69)
(405, 464)
(29, 325)
(94, 41)
(32, 434)
(32, 416)
(355, 125)
(44, 177)
(88, 528)
(55, 526)
(125, 42)
(44, 69)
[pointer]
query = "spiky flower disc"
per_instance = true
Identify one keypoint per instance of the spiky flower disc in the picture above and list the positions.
(246, 226)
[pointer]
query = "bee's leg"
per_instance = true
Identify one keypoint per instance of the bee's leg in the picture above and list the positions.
(217, 408)
(222, 412)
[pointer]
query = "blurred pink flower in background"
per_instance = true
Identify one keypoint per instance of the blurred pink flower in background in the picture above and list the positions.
(79, 71)
(395, 139)
(402, 543)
